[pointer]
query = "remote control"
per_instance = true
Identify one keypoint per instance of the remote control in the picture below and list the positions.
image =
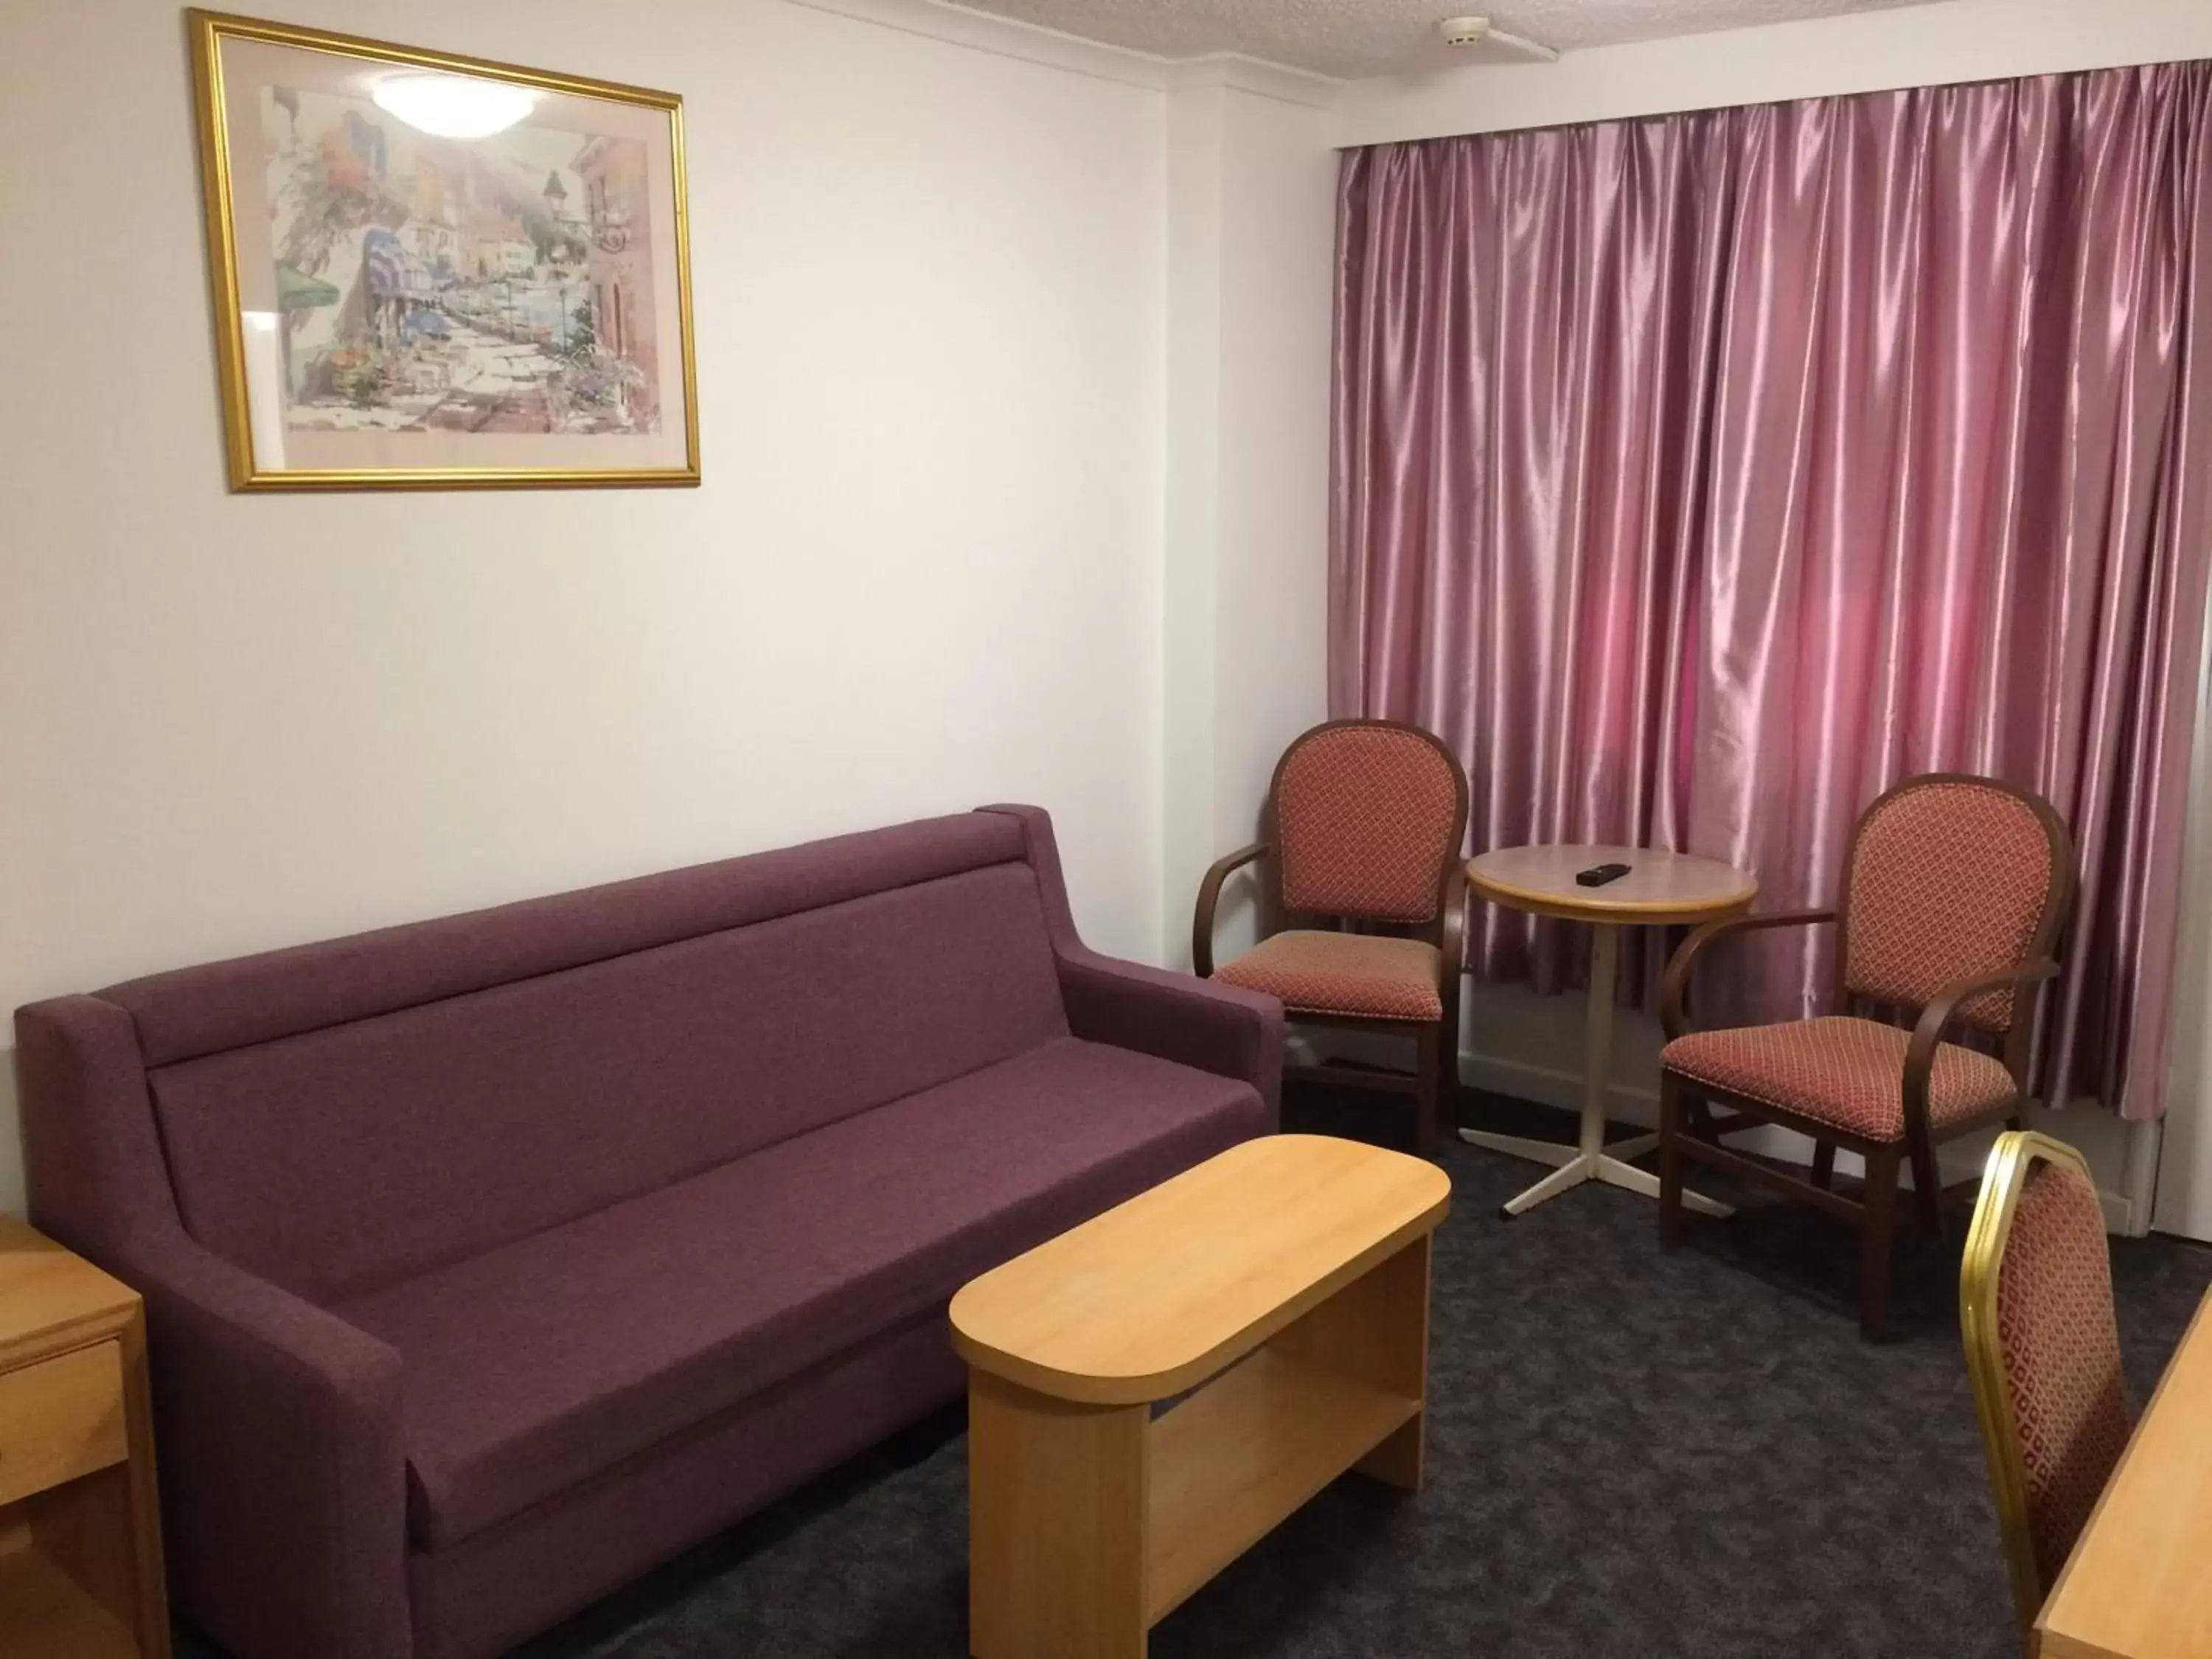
(1598, 874)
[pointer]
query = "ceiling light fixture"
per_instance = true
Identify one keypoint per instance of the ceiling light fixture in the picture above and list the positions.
(453, 106)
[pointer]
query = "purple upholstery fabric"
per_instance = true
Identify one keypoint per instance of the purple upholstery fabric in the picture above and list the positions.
(319, 1104)
(477, 1599)
(283, 1471)
(282, 1466)
(345, 1158)
(229, 1005)
(1217, 1028)
(532, 1366)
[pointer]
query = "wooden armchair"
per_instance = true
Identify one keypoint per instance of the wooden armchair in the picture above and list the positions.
(1955, 888)
(1364, 820)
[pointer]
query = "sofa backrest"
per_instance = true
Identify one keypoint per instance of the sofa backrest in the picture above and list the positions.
(342, 1116)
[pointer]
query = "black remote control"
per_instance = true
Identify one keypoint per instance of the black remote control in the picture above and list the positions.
(1598, 874)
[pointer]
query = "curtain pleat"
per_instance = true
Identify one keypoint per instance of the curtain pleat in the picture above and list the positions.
(1699, 478)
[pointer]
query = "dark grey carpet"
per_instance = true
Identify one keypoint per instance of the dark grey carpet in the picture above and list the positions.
(1630, 1455)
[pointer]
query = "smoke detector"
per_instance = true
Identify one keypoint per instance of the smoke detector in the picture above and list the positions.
(1464, 33)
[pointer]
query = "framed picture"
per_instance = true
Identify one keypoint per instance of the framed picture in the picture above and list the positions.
(434, 272)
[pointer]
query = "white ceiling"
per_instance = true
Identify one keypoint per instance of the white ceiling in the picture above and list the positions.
(1353, 38)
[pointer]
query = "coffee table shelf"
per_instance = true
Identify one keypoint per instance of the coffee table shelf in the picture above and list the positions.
(1232, 1461)
(1287, 1281)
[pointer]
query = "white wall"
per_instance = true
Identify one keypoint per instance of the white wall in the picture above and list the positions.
(1925, 45)
(923, 571)
(1252, 194)
(2185, 1161)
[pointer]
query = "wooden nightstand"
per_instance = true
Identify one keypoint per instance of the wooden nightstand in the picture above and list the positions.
(80, 1527)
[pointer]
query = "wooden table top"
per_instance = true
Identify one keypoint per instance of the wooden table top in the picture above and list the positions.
(2136, 1586)
(1157, 1294)
(1660, 887)
(47, 1293)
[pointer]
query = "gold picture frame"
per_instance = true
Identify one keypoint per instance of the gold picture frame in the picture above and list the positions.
(398, 305)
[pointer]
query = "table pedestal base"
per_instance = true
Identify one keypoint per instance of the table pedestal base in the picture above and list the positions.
(1576, 1166)
(1590, 1158)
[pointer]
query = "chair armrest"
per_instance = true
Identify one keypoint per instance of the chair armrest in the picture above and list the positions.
(283, 1463)
(1936, 1018)
(1676, 986)
(1208, 1026)
(1209, 897)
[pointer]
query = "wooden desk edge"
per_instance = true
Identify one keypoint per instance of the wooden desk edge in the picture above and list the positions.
(2060, 1645)
(77, 1302)
(66, 1336)
(84, 1307)
(1088, 1389)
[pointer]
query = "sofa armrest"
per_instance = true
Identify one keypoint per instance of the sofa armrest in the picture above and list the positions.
(282, 1461)
(1201, 1024)
(283, 1464)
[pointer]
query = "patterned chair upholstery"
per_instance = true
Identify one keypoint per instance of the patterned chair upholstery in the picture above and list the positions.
(2035, 1308)
(1949, 881)
(1367, 814)
(1954, 891)
(1848, 1073)
(1356, 975)
(1366, 818)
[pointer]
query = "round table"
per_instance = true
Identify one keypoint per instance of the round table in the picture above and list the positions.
(1660, 889)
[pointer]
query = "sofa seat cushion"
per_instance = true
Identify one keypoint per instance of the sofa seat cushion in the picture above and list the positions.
(551, 1359)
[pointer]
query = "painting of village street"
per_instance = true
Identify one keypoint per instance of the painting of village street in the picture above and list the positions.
(500, 284)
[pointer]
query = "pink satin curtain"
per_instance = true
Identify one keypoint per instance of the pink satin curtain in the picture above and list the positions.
(1698, 477)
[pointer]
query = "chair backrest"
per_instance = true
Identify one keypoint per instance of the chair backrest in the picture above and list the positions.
(1952, 878)
(2035, 1307)
(1368, 817)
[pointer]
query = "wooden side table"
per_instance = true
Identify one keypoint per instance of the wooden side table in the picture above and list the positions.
(1660, 889)
(1089, 1519)
(80, 1527)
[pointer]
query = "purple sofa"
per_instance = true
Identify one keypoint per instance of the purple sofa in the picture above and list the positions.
(491, 1260)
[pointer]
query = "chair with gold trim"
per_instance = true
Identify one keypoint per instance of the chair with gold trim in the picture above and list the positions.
(1954, 890)
(2042, 1351)
(1364, 823)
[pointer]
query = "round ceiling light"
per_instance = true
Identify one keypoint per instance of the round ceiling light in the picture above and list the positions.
(453, 106)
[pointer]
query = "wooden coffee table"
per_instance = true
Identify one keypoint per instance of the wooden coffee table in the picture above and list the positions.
(1090, 1518)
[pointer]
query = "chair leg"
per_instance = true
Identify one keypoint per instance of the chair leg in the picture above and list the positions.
(1880, 1224)
(1824, 1165)
(1428, 1083)
(1927, 1188)
(1451, 1093)
(1670, 1161)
